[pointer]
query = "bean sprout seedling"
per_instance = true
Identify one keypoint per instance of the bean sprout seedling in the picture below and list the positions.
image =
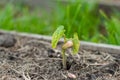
(72, 42)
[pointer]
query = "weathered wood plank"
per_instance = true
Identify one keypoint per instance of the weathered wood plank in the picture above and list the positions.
(84, 45)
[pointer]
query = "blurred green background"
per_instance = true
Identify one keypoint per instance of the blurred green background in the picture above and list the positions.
(43, 16)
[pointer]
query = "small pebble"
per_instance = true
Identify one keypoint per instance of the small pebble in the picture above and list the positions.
(71, 75)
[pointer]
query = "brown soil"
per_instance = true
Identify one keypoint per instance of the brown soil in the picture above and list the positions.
(34, 59)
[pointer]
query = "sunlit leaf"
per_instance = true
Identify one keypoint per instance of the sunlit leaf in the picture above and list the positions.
(57, 35)
(76, 44)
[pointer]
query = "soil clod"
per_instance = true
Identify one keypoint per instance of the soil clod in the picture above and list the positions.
(7, 40)
(51, 53)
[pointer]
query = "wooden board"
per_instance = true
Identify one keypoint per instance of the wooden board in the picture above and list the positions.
(84, 45)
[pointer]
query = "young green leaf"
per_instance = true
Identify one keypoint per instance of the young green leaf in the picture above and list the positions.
(76, 44)
(57, 35)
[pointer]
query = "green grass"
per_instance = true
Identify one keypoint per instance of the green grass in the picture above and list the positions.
(113, 29)
(22, 20)
(80, 17)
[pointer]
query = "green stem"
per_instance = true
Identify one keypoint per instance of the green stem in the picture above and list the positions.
(65, 40)
(64, 59)
(63, 54)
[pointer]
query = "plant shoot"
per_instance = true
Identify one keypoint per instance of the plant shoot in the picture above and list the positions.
(72, 42)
